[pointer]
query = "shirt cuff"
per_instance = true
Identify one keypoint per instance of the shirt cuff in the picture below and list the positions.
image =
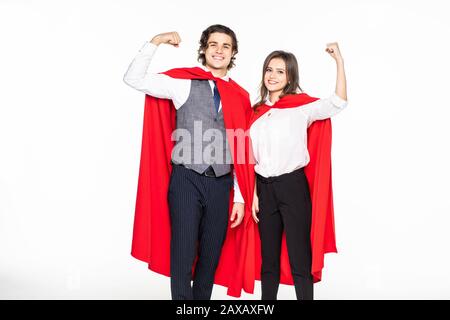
(338, 101)
(237, 192)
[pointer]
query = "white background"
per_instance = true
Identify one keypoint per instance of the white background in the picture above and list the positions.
(70, 137)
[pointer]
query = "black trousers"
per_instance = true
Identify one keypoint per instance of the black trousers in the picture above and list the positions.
(198, 207)
(285, 204)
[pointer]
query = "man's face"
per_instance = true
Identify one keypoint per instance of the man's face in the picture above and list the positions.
(219, 51)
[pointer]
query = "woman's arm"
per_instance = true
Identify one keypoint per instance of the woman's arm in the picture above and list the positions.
(326, 108)
(255, 205)
(341, 83)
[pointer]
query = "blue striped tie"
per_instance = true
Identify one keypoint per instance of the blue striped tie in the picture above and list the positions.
(216, 97)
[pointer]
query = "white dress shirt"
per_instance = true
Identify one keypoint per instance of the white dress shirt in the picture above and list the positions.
(279, 137)
(164, 87)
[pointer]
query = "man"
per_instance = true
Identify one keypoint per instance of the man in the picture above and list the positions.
(204, 105)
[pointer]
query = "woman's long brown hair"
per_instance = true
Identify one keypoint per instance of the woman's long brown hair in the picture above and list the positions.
(292, 86)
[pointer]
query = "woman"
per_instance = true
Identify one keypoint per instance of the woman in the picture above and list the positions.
(291, 139)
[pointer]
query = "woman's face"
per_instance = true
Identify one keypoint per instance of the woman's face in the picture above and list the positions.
(275, 77)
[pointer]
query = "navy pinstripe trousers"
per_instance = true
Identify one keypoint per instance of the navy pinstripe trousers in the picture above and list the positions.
(199, 218)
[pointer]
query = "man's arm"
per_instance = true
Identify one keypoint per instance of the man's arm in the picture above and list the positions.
(237, 192)
(238, 210)
(157, 85)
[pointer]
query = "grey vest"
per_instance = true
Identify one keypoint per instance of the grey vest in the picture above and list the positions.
(200, 137)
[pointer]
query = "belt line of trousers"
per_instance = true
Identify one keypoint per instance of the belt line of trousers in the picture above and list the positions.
(198, 208)
(285, 205)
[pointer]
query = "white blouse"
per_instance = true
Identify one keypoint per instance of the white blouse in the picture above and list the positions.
(279, 137)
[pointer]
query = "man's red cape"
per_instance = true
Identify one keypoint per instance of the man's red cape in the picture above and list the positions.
(151, 232)
(318, 173)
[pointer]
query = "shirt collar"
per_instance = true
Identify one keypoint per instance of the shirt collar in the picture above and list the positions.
(226, 77)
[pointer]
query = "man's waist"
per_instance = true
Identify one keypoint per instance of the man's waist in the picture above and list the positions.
(211, 170)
